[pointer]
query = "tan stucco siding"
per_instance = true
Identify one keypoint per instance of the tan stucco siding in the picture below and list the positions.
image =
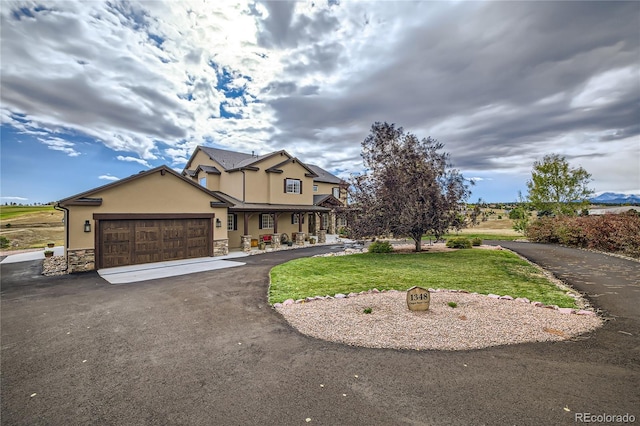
(257, 189)
(151, 194)
(327, 188)
(231, 183)
(277, 194)
(212, 180)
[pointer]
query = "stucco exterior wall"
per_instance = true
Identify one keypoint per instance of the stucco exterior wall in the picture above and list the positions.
(153, 193)
(277, 194)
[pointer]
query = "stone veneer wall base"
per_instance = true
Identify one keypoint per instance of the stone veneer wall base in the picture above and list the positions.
(221, 247)
(81, 260)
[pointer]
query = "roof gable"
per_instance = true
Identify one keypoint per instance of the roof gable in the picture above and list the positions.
(86, 197)
(277, 168)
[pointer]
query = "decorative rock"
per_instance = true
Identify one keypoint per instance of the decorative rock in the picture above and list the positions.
(552, 307)
(288, 302)
(565, 310)
(506, 297)
(352, 294)
(537, 304)
(585, 312)
(523, 300)
(339, 296)
(309, 299)
(277, 305)
(493, 296)
(300, 301)
(375, 290)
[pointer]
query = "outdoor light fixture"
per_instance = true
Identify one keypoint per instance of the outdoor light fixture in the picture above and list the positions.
(87, 226)
(218, 223)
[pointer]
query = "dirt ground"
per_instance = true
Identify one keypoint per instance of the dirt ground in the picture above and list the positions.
(33, 230)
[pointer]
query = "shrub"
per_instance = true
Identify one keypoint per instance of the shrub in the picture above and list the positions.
(4, 242)
(459, 242)
(367, 310)
(453, 304)
(614, 233)
(476, 242)
(380, 247)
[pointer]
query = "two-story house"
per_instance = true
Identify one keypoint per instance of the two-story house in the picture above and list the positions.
(222, 200)
(271, 195)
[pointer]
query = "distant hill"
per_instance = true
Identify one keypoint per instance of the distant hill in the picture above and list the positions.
(613, 198)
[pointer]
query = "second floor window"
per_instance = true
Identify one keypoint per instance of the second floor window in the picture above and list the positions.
(315, 188)
(293, 186)
(203, 181)
(336, 192)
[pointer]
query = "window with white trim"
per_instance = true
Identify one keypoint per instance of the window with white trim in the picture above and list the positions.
(267, 221)
(341, 222)
(315, 188)
(293, 186)
(336, 192)
(231, 222)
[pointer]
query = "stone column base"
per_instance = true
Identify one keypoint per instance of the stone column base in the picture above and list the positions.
(275, 241)
(322, 236)
(300, 238)
(246, 243)
(221, 247)
(81, 260)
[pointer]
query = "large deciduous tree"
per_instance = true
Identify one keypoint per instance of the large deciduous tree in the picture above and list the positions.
(557, 188)
(408, 188)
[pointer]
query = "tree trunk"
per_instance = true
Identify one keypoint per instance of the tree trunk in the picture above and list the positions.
(418, 242)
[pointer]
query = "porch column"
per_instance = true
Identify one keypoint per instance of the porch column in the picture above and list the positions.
(300, 235)
(246, 238)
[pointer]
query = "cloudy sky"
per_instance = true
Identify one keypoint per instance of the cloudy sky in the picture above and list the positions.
(96, 91)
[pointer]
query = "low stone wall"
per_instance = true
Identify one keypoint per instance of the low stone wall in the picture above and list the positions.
(81, 260)
(221, 247)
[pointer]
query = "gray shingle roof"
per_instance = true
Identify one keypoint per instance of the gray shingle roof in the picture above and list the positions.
(230, 159)
(323, 175)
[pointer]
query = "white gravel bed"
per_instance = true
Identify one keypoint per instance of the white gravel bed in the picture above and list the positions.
(477, 322)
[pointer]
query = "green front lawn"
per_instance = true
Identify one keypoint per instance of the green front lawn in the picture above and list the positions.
(476, 270)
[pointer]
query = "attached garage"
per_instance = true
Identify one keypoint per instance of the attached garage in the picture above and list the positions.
(154, 216)
(129, 240)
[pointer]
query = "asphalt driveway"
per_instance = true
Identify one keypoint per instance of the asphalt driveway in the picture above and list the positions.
(206, 349)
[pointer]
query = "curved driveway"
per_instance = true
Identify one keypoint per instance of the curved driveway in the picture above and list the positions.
(207, 349)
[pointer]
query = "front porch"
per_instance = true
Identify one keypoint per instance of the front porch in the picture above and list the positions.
(331, 239)
(258, 226)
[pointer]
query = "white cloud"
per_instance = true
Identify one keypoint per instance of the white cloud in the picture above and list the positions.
(61, 145)
(133, 160)
(108, 177)
(14, 198)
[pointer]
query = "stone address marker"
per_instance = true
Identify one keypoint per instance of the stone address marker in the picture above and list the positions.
(418, 299)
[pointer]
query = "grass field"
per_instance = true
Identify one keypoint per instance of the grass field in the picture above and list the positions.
(8, 212)
(476, 270)
(31, 227)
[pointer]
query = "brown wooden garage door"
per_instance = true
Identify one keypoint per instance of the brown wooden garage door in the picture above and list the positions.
(135, 241)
